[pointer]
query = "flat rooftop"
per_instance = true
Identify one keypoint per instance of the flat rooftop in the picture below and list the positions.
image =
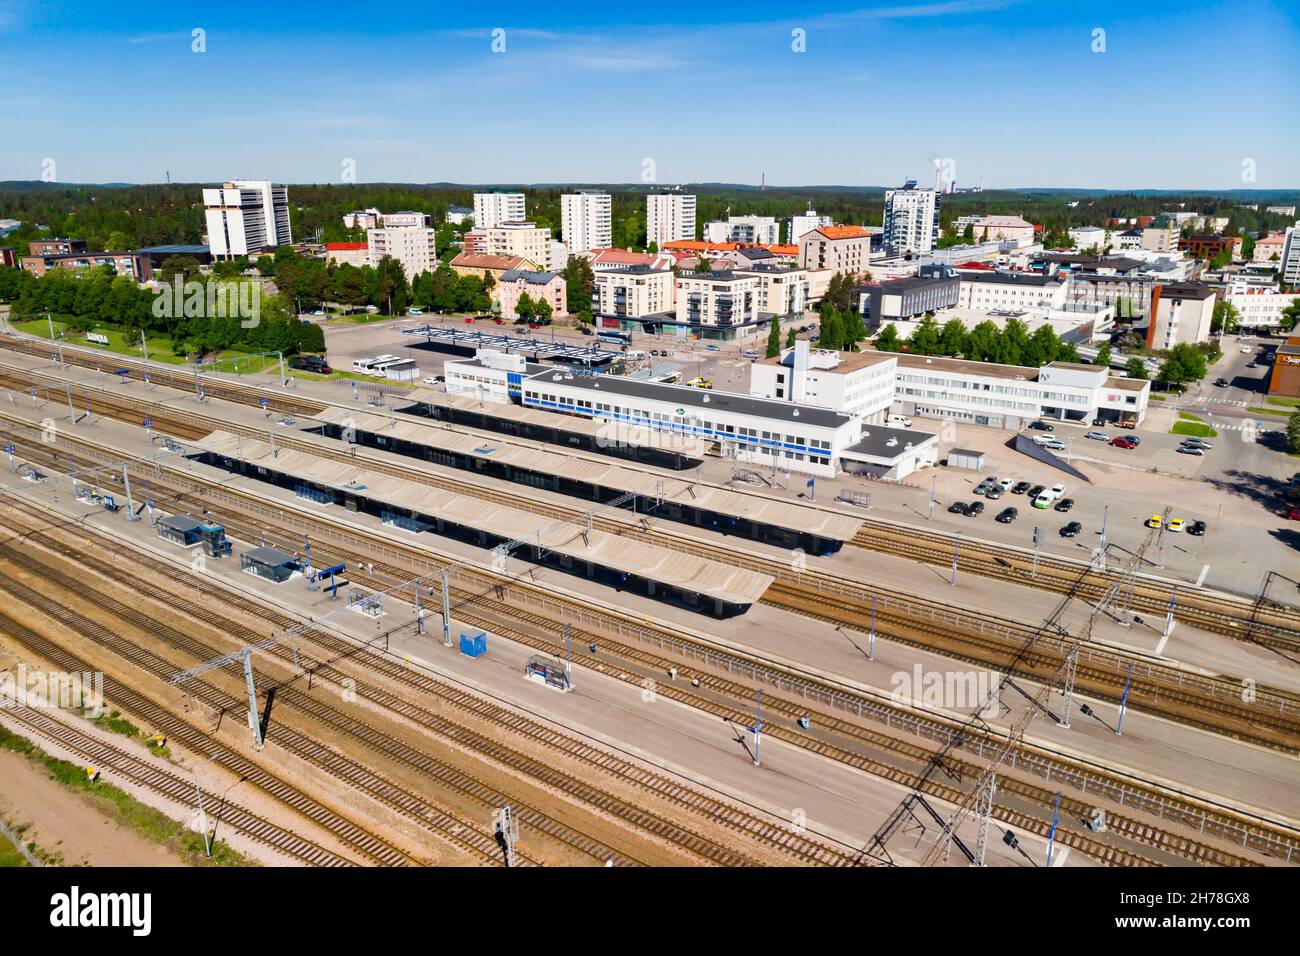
(849, 361)
(687, 572)
(685, 395)
(939, 363)
(889, 444)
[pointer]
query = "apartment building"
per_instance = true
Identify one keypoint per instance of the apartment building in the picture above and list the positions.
(351, 253)
(1179, 313)
(632, 291)
(492, 209)
(1090, 237)
(546, 287)
(138, 267)
(246, 216)
(844, 249)
(1162, 237)
(1289, 265)
(669, 217)
(585, 221)
(782, 290)
(626, 258)
(361, 219)
(800, 226)
(763, 230)
(55, 247)
(1258, 308)
(721, 305)
(987, 291)
(911, 219)
(458, 214)
(524, 239)
(1209, 246)
(411, 246)
(406, 219)
(1269, 248)
(494, 267)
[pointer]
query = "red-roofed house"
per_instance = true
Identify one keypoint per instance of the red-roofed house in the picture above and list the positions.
(625, 258)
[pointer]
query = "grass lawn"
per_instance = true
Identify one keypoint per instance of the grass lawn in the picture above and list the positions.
(339, 373)
(1195, 429)
(1159, 398)
(1284, 402)
(9, 855)
(160, 348)
(1189, 417)
(1259, 410)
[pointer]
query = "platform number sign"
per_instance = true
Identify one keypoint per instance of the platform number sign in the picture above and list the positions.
(148, 423)
(1038, 536)
(10, 449)
(262, 401)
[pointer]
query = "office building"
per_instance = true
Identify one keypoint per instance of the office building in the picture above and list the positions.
(1179, 313)
(856, 383)
(1010, 290)
(902, 299)
(843, 249)
(246, 216)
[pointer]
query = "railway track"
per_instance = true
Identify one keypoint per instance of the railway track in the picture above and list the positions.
(1267, 716)
(452, 830)
(129, 768)
(439, 725)
(1254, 834)
(370, 848)
(329, 647)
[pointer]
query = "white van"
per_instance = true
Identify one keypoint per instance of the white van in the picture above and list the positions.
(899, 421)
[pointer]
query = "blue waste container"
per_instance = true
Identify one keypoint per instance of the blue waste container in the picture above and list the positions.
(473, 644)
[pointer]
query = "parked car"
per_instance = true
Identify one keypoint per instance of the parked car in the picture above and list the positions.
(1037, 490)
(1053, 444)
(899, 421)
(1057, 490)
(434, 380)
(1006, 484)
(586, 331)
(957, 508)
(1020, 488)
(974, 509)
(1246, 350)
(1043, 501)
(1007, 515)
(1154, 521)
(711, 348)
(1100, 421)
(1221, 382)
(1191, 450)
(1124, 424)
(1252, 365)
(983, 487)
(1097, 436)
(1196, 528)
(310, 363)
(994, 493)
(1198, 443)
(1175, 524)
(1041, 426)
(1292, 514)
(1064, 505)
(1071, 529)
(1123, 442)
(1135, 439)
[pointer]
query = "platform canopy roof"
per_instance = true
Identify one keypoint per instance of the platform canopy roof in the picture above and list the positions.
(586, 467)
(689, 573)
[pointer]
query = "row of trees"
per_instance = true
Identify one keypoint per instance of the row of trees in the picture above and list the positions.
(1010, 345)
(96, 298)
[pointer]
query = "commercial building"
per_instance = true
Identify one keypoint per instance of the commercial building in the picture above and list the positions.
(492, 209)
(1284, 380)
(1008, 396)
(1179, 313)
(997, 228)
(800, 226)
(585, 221)
(1259, 308)
(246, 216)
(843, 249)
(669, 217)
(1090, 237)
(547, 287)
(987, 291)
(911, 219)
(351, 253)
(856, 383)
(490, 375)
(524, 239)
(131, 264)
(361, 219)
(412, 246)
(902, 299)
(632, 291)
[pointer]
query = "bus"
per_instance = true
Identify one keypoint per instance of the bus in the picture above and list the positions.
(614, 337)
(374, 365)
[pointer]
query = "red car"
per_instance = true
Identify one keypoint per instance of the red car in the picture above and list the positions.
(1294, 514)
(469, 321)
(1123, 442)
(499, 321)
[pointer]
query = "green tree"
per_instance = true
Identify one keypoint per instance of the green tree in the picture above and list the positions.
(889, 340)
(925, 340)
(524, 308)
(831, 335)
(1137, 368)
(579, 280)
(1291, 315)
(1103, 355)
(1185, 363)
(952, 338)
(854, 328)
(790, 338)
(1225, 318)
(703, 265)
(1293, 433)
(774, 339)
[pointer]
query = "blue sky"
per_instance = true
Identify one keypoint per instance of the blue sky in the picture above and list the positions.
(1013, 92)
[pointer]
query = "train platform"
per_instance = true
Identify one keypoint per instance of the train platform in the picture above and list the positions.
(665, 575)
(827, 798)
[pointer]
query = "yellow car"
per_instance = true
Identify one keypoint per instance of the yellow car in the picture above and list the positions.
(1153, 521)
(1175, 524)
